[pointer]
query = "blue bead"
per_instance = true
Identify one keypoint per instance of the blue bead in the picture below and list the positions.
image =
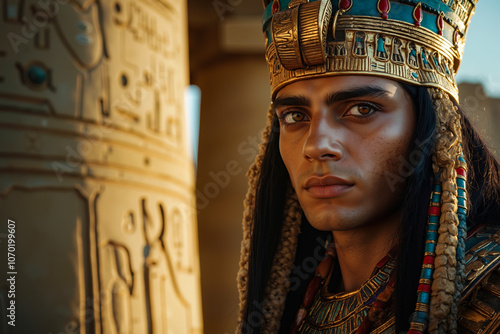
(423, 297)
(422, 317)
(426, 273)
(434, 219)
(37, 74)
(431, 235)
(432, 228)
(430, 248)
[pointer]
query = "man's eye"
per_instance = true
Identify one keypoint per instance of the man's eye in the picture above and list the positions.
(361, 110)
(293, 117)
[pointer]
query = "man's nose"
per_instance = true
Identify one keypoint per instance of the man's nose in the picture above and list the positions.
(323, 142)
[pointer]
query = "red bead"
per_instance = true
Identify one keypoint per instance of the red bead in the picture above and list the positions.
(312, 288)
(344, 4)
(412, 331)
(417, 14)
(461, 171)
(434, 210)
(424, 287)
(429, 259)
(384, 6)
(276, 7)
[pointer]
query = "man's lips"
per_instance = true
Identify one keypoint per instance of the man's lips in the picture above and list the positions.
(327, 186)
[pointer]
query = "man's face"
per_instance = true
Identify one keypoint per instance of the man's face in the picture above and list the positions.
(339, 139)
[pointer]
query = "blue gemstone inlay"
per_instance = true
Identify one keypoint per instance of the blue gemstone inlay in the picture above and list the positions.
(37, 74)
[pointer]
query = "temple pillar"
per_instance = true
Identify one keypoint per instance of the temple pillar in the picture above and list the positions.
(96, 182)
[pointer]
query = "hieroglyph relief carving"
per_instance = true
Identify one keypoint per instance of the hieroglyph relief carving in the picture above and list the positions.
(92, 129)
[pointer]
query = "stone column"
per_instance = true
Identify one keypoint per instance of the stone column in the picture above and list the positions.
(95, 175)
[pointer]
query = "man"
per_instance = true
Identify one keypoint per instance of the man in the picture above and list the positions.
(373, 204)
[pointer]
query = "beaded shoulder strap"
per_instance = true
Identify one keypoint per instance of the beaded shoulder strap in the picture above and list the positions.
(480, 306)
(482, 257)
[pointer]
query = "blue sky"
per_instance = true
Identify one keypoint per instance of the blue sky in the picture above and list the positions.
(481, 61)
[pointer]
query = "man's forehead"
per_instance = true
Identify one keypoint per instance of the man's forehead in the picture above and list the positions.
(338, 84)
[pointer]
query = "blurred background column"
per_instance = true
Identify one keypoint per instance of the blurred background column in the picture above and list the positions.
(227, 63)
(95, 172)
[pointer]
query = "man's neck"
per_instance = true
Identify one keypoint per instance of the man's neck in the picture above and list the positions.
(360, 250)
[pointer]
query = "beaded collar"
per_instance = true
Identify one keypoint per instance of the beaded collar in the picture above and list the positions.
(358, 311)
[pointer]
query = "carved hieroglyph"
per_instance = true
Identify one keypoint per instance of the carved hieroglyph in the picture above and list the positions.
(94, 167)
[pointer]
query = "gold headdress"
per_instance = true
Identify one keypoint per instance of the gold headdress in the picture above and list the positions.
(417, 42)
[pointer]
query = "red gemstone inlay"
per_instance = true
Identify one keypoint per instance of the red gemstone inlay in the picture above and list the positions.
(456, 37)
(429, 259)
(412, 331)
(461, 171)
(417, 15)
(440, 24)
(434, 211)
(384, 7)
(345, 4)
(276, 7)
(424, 287)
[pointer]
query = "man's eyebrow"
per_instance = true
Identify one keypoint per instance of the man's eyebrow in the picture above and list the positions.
(365, 91)
(294, 100)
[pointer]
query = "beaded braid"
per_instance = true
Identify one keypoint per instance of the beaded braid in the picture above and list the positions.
(447, 282)
(278, 283)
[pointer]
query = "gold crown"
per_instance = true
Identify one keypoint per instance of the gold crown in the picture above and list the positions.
(418, 42)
